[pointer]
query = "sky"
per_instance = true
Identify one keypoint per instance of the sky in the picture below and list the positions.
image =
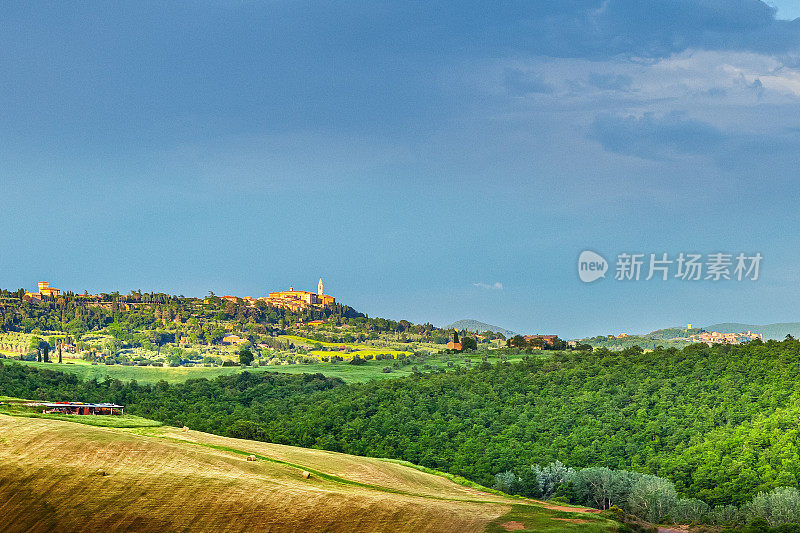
(431, 161)
(786, 9)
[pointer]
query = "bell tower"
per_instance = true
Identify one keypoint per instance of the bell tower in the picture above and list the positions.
(319, 287)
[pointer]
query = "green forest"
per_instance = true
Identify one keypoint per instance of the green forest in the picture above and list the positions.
(720, 423)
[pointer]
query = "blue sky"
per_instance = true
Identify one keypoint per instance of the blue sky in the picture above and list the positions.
(786, 9)
(430, 161)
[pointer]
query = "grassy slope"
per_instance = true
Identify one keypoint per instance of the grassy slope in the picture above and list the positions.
(57, 475)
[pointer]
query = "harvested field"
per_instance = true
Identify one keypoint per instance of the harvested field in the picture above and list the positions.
(57, 475)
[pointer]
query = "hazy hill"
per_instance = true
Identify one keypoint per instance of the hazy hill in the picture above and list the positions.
(475, 325)
(62, 476)
(770, 331)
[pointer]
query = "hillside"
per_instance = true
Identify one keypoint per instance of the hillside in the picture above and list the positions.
(696, 416)
(149, 337)
(770, 331)
(64, 476)
(475, 325)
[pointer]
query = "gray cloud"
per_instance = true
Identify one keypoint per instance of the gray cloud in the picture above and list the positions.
(674, 135)
(612, 82)
(568, 28)
(657, 28)
(652, 137)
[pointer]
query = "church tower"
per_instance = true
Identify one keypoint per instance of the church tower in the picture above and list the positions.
(319, 287)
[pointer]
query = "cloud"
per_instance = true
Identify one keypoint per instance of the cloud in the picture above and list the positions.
(593, 29)
(496, 286)
(519, 82)
(674, 135)
(659, 28)
(612, 82)
(652, 137)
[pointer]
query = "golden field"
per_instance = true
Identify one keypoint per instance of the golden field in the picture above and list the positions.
(63, 476)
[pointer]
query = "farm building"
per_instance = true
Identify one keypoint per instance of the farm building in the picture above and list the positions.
(80, 408)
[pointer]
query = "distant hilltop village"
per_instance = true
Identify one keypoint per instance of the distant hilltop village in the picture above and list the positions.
(292, 300)
(715, 337)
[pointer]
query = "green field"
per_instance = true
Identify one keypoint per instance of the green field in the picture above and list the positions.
(361, 350)
(153, 374)
(349, 373)
(59, 476)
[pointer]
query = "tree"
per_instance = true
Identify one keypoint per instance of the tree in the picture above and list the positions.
(517, 341)
(691, 510)
(245, 356)
(595, 486)
(780, 506)
(551, 476)
(652, 498)
(537, 342)
(44, 348)
(469, 343)
(507, 482)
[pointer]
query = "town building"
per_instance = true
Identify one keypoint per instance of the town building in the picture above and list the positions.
(296, 300)
(44, 290)
(715, 337)
(233, 339)
(80, 408)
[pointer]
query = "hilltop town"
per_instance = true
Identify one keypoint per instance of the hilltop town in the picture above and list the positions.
(674, 337)
(283, 328)
(294, 300)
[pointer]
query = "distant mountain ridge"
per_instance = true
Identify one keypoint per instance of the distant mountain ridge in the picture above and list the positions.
(475, 325)
(769, 331)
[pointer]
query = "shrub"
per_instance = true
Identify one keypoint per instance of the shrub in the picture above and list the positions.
(781, 506)
(507, 482)
(551, 476)
(652, 498)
